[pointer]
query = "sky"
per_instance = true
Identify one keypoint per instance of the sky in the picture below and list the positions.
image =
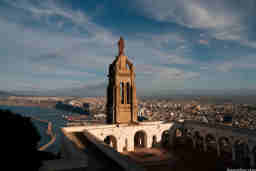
(175, 45)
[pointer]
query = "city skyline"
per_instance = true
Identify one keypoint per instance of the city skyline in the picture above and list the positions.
(174, 45)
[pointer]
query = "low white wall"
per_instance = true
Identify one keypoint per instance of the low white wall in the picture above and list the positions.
(121, 160)
(124, 133)
(72, 157)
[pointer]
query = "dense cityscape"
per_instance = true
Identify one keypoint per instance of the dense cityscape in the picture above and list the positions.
(243, 115)
(235, 115)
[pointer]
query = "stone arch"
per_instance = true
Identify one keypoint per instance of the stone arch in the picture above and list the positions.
(254, 156)
(241, 151)
(211, 143)
(140, 139)
(179, 136)
(178, 132)
(199, 140)
(188, 132)
(125, 148)
(247, 155)
(225, 147)
(111, 141)
(172, 132)
(165, 138)
(187, 137)
(154, 140)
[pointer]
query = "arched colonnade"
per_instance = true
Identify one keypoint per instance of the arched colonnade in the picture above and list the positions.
(225, 144)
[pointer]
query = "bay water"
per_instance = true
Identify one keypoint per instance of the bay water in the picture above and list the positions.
(49, 114)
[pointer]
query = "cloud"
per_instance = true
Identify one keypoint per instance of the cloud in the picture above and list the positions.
(204, 68)
(156, 72)
(203, 42)
(221, 19)
(193, 13)
(45, 11)
(48, 48)
(49, 8)
(49, 55)
(57, 71)
(177, 74)
(37, 84)
(244, 63)
(152, 78)
(48, 41)
(162, 48)
(239, 34)
(225, 67)
(170, 58)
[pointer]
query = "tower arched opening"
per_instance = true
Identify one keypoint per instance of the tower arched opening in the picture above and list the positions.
(178, 136)
(254, 155)
(165, 138)
(198, 138)
(211, 143)
(128, 93)
(125, 148)
(111, 141)
(140, 139)
(154, 141)
(188, 132)
(242, 152)
(122, 92)
(188, 138)
(225, 148)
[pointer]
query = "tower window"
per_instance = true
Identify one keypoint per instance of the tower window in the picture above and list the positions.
(127, 66)
(128, 93)
(122, 92)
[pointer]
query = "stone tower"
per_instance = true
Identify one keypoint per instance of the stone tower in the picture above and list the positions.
(121, 91)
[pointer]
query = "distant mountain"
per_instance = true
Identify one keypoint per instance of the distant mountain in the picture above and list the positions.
(92, 90)
(85, 91)
(28, 93)
(5, 94)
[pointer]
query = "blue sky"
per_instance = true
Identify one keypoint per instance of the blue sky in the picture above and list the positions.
(174, 44)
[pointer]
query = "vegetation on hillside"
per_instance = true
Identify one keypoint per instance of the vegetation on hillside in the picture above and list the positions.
(20, 138)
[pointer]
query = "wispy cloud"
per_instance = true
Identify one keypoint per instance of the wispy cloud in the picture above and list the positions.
(163, 48)
(222, 19)
(156, 72)
(194, 13)
(47, 53)
(49, 43)
(241, 63)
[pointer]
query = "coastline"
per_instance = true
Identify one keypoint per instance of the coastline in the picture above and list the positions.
(43, 116)
(49, 132)
(52, 135)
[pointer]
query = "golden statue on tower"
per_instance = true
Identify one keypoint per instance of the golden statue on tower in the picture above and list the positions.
(121, 46)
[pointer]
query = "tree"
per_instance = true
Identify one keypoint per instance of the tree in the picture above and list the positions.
(20, 138)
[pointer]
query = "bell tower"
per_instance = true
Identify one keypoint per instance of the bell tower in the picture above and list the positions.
(121, 91)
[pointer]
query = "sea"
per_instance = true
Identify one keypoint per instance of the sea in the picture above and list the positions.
(49, 114)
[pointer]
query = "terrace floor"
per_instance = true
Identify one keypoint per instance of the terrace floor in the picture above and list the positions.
(180, 158)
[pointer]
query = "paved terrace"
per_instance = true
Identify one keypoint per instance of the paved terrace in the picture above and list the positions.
(100, 155)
